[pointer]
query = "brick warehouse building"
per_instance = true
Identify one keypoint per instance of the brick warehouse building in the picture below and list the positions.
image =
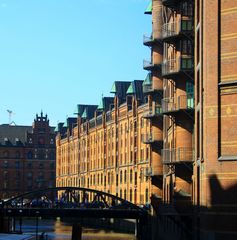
(109, 146)
(174, 144)
(27, 157)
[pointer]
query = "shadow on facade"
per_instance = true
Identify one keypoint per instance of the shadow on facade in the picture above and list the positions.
(181, 220)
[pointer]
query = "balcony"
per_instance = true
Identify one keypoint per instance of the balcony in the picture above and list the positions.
(149, 40)
(151, 138)
(177, 155)
(149, 65)
(177, 65)
(153, 111)
(182, 27)
(173, 105)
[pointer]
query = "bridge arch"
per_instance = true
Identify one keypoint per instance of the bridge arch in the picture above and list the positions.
(69, 197)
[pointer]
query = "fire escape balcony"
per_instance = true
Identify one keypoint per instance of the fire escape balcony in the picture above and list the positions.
(173, 105)
(151, 138)
(183, 64)
(153, 111)
(149, 65)
(177, 155)
(150, 40)
(180, 28)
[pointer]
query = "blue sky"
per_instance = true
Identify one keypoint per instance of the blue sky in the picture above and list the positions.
(55, 54)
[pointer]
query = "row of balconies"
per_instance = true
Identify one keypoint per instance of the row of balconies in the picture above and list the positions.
(171, 66)
(170, 105)
(179, 28)
(170, 156)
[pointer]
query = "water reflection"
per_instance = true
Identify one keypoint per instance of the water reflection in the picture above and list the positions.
(57, 230)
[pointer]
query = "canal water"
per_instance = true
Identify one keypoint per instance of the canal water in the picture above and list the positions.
(58, 230)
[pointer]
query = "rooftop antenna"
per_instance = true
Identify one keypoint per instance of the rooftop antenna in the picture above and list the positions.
(10, 113)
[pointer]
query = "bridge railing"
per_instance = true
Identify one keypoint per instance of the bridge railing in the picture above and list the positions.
(68, 198)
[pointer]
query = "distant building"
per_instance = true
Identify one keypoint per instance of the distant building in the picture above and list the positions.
(27, 157)
(109, 147)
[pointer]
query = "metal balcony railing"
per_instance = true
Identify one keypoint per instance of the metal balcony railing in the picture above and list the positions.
(172, 29)
(148, 39)
(149, 65)
(177, 65)
(183, 102)
(177, 155)
(151, 138)
(153, 111)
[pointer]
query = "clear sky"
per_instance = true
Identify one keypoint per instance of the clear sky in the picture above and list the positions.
(55, 54)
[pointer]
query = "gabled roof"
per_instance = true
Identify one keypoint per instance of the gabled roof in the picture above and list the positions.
(69, 122)
(80, 110)
(120, 88)
(59, 127)
(148, 80)
(135, 89)
(89, 111)
(105, 103)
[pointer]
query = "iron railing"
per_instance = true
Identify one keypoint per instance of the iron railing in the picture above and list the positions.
(177, 155)
(183, 102)
(176, 65)
(148, 65)
(172, 29)
(148, 39)
(153, 111)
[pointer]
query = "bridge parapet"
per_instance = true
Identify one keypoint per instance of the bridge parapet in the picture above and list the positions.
(63, 200)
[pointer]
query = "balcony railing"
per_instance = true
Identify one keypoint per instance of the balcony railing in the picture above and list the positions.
(183, 102)
(177, 155)
(153, 111)
(177, 65)
(172, 29)
(150, 138)
(149, 40)
(149, 65)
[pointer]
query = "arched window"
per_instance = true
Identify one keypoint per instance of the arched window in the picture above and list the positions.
(131, 176)
(125, 194)
(109, 178)
(130, 195)
(121, 176)
(125, 176)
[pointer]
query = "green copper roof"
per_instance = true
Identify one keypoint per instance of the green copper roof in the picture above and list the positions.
(101, 105)
(113, 90)
(131, 89)
(56, 129)
(79, 109)
(84, 114)
(65, 124)
(148, 80)
(149, 9)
